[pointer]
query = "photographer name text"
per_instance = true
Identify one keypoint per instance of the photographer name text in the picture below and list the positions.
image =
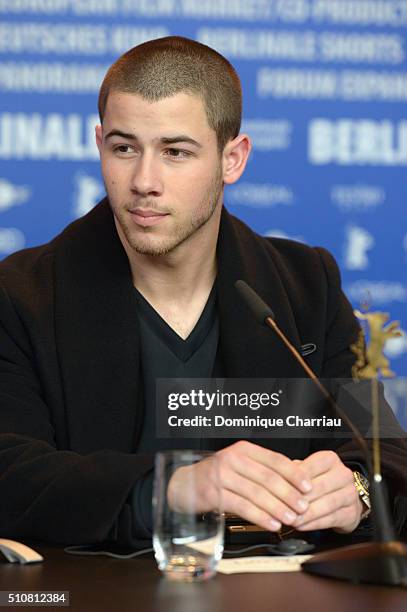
(257, 421)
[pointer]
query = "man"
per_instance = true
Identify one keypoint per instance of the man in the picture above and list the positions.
(143, 287)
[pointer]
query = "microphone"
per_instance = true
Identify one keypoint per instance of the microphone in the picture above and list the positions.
(265, 316)
(259, 308)
(380, 562)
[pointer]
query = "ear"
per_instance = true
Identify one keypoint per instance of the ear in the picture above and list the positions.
(99, 137)
(234, 158)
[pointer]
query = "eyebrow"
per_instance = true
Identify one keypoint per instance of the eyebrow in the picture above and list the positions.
(163, 140)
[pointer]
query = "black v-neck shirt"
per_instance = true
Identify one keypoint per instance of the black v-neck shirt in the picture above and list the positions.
(164, 354)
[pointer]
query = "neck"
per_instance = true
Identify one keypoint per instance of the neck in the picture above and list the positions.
(182, 275)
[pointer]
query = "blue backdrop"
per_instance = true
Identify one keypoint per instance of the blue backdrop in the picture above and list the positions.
(325, 88)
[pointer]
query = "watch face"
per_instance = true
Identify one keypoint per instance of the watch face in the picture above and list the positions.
(364, 482)
(362, 485)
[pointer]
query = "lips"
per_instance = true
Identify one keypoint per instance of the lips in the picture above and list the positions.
(145, 217)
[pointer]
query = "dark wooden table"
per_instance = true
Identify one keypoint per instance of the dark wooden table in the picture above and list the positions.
(104, 584)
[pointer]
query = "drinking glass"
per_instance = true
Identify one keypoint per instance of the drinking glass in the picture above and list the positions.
(187, 537)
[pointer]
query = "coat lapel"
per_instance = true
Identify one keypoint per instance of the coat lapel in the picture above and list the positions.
(250, 349)
(97, 334)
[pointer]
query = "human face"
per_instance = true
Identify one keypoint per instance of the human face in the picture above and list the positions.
(162, 171)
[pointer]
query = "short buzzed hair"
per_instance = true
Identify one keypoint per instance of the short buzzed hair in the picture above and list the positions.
(163, 67)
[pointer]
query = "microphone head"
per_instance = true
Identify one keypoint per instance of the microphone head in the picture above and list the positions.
(259, 308)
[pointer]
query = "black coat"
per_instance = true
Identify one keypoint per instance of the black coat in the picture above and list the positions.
(69, 368)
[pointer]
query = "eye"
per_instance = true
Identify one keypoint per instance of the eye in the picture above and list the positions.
(123, 149)
(178, 153)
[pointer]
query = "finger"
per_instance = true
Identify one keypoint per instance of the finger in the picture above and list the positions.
(330, 506)
(258, 496)
(346, 519)
(319, 463)
(293, 473)
(334, 480)
(271, 481)
(249, 511)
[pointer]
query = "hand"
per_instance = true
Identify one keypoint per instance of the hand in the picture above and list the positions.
(334, 501)
(257, 484)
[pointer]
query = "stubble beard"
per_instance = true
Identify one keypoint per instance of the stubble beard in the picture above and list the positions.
(181, 232)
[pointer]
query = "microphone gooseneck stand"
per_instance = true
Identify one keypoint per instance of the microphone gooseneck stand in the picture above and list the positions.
(382, 561)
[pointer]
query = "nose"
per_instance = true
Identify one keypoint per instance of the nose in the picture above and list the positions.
(146, 179)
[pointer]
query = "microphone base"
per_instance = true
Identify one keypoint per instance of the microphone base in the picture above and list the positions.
(371, 563)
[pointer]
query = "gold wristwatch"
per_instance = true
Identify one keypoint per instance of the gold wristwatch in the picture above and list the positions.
(362, 487)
